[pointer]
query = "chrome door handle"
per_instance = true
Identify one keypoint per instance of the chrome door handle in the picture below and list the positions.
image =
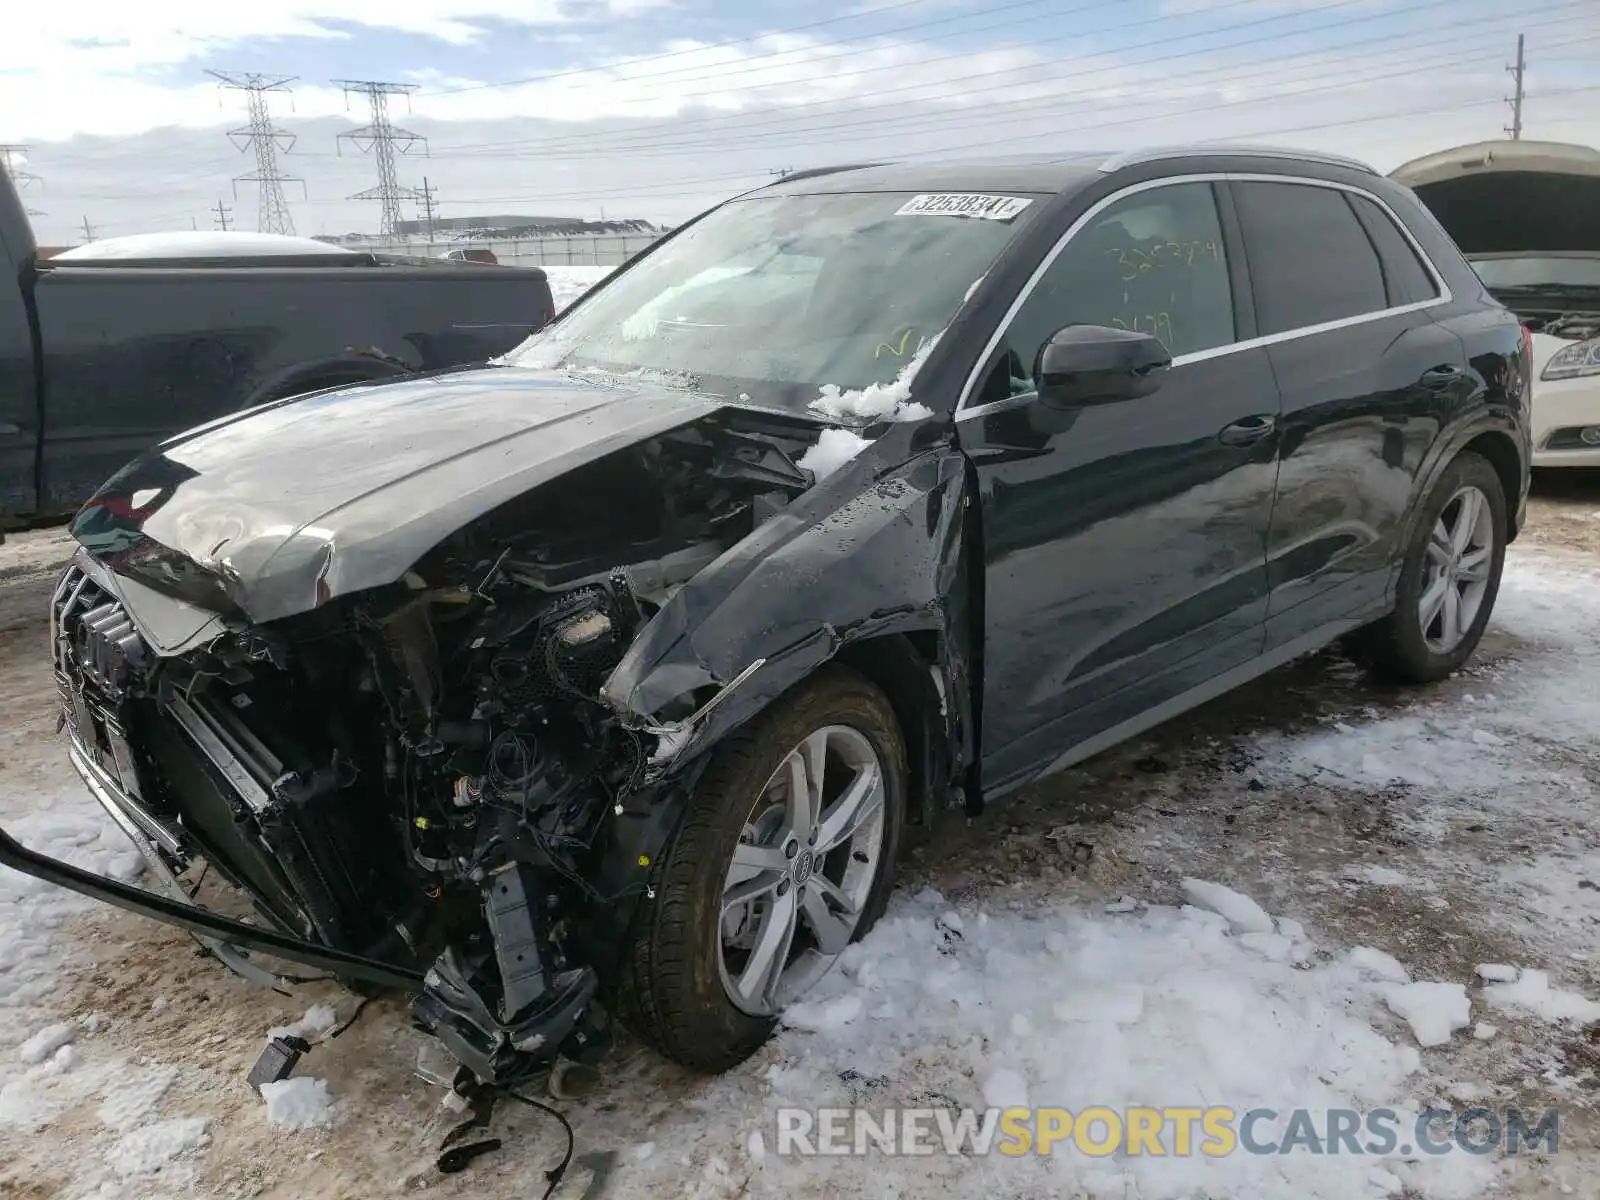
(1248, 430)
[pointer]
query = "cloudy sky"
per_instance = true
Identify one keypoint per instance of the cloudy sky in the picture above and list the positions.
(656, 108)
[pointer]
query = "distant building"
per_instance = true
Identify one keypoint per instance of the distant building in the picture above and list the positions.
(503, 226)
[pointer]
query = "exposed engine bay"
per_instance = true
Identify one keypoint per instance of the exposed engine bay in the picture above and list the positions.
(1574, 325)
(424, 773)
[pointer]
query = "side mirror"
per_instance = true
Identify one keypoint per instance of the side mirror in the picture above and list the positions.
(1096, 364)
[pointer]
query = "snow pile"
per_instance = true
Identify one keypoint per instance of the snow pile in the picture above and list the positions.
(1060, 1007)
(46, 1042)
(879, 401)
(151, 1148)
(827, 1014)
(318, 1020)
(1433, 1010)
(1242, 912)
(1380, 964)
(832, 450)
(298, 1103)
(1530, 990)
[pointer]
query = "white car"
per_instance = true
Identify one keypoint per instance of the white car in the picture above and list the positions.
(1527, 215)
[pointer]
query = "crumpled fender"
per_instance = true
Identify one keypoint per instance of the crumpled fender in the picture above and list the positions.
(874, 549)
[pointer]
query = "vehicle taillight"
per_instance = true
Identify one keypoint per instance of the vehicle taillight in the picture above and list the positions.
(1527, 344)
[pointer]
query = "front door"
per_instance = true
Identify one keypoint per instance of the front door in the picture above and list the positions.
(1124, 543)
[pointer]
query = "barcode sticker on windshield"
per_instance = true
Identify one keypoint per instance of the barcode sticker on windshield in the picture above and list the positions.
(964, 204)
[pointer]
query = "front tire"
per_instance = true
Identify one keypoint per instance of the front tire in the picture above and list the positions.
(785, 855)
(1448, 581)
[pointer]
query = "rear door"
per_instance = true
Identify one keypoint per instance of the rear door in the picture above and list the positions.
(1124, 543)
(1367, 378)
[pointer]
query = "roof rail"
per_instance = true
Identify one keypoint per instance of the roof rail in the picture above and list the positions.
(813, 172)
(1151, 154)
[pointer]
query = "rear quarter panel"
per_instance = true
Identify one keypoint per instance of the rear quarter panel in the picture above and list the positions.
(133, 355)
(1492, 412)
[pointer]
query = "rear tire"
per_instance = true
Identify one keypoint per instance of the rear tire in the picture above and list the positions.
(682, 972)
(1448, 580)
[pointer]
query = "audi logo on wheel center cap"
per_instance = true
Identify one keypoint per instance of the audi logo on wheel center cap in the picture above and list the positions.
(802, 867)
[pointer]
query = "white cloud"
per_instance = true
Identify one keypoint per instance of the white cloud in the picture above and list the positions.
(112, 35)
(663, 138)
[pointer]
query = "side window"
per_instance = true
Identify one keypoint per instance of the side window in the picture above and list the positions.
(1153, 261)
(1310, 259)
(1407, 279)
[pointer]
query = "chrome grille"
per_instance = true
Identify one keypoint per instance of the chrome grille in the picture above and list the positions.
(95, 642)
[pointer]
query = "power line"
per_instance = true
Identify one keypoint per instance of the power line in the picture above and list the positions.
(1007, 76)
(1416, 112)
(272, 211)
(873, 44)
(754, 178)
(988, 112)
(985, 115)
(1007, 109)
(739, 41)
(1518, 70)
(1390, 43)
(990, 143)
(381, 139)
(88, 230)
(223, 215)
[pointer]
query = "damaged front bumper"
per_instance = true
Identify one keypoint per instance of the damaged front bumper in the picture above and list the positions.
(96, 646)
(229, 939)
(445, 1004)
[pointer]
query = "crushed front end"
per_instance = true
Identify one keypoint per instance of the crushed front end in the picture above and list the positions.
(417, 784)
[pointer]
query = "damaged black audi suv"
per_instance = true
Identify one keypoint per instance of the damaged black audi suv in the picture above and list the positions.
(603, 681)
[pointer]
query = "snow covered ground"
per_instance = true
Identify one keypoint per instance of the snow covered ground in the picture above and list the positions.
(1314, 893)
(568, 283)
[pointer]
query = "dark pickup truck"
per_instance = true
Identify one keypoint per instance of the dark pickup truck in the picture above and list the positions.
(102, 357)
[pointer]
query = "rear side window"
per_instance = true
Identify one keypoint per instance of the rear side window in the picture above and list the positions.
(1310, 259)
(1407, 280)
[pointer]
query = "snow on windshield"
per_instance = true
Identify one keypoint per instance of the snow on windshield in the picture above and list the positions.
(879, 401)
(833, 449)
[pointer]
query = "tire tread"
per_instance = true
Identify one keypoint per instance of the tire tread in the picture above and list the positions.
(660, 995)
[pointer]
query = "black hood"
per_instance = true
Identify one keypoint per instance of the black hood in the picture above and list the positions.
(1512, 197)
(275, 511)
